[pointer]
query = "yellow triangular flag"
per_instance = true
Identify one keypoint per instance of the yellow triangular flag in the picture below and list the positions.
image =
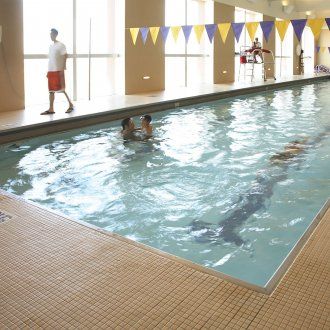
(154, 30)
(316, 25)
(134, 34)
(224, 29)
(323, 49)
(282, 27)
(199, 29)
(175, 32)
(252, 29)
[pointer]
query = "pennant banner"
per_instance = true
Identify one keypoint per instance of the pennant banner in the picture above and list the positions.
(210, 30)
(298, 26)
(252, 29)
(237, 28)
(267, 27)
(134, 34)
(175, 32)
(323, 49)
(316, 25)
(199, 29)
(318, 49)
(154, 31)
(144, 34)
(329, 49)
(224, 29)
(164, 30)
(327, 20)
(186, 29)
(282, 27)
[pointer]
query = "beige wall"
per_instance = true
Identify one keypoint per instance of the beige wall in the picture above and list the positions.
(270, 45)
(11, 56)
(324, 41)
(224, 54)
(144, 60)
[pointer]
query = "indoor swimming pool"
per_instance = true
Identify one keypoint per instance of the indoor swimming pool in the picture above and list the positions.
(231, 185)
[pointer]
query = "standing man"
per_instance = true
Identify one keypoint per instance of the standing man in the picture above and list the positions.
(56, 66)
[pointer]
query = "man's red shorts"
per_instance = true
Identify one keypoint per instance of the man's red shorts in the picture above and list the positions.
(56, 81)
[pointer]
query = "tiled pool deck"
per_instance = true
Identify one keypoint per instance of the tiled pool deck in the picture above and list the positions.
(57, 274)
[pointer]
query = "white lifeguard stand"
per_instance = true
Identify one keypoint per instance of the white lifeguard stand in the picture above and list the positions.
(249, 58)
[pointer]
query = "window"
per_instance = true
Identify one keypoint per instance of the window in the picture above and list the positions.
(93, 32)
(192, 63)
(284, 53)
(243, 16)
(308, 45)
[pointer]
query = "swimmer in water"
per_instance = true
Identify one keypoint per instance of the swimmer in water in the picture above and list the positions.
(128, 128)
(290, 151)
(146, 127)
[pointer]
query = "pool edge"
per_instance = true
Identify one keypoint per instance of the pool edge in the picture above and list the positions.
(61, 125)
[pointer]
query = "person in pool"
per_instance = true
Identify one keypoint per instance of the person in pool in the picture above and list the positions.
(146, 127)
(291, 150)
(128, 128)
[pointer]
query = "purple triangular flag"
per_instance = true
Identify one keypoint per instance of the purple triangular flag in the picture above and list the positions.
(266, 28)
(328, 22)
(164, 30)
(210, 29)
(186, 29)
(298, 26)
(329, 49)
(237, 28)
(318, 49)
(144, 33)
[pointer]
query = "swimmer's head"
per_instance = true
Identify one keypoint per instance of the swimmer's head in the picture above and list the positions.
(146, 118)
(127, 123)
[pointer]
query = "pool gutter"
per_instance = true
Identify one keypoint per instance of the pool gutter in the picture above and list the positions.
(28, 131)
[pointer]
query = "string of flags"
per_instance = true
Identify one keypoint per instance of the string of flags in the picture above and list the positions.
(322, 49)
(298, 25)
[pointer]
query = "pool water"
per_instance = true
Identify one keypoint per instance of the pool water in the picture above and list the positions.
(205, 188)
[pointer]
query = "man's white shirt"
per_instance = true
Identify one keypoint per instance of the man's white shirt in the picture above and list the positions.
(56, 57)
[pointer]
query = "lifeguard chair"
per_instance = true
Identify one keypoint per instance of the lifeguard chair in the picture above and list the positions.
(250, 57)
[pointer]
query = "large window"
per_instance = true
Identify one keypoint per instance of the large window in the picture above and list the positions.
(93, 32)
(243, 16)
(284, 54)
(192, 63)
(308, 45)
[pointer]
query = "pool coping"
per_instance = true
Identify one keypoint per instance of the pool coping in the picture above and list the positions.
(60, 125)
(267, 289)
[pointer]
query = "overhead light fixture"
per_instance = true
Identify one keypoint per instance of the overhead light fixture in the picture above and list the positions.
(288, 9)
(146, 77)
(308, 13)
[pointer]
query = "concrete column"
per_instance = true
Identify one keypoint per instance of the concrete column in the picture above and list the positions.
(144, 60)
(224, 54)
(11, 56)
(295, 57)
(271, 46)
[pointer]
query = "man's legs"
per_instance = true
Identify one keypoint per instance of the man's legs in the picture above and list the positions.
(51, 104)
(51, 101)
(67, 97)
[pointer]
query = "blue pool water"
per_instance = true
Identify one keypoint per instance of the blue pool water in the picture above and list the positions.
(206, 188)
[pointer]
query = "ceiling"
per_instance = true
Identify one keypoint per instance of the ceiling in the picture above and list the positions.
(285, 8)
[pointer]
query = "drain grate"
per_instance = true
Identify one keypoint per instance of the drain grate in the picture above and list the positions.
(4, 217)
